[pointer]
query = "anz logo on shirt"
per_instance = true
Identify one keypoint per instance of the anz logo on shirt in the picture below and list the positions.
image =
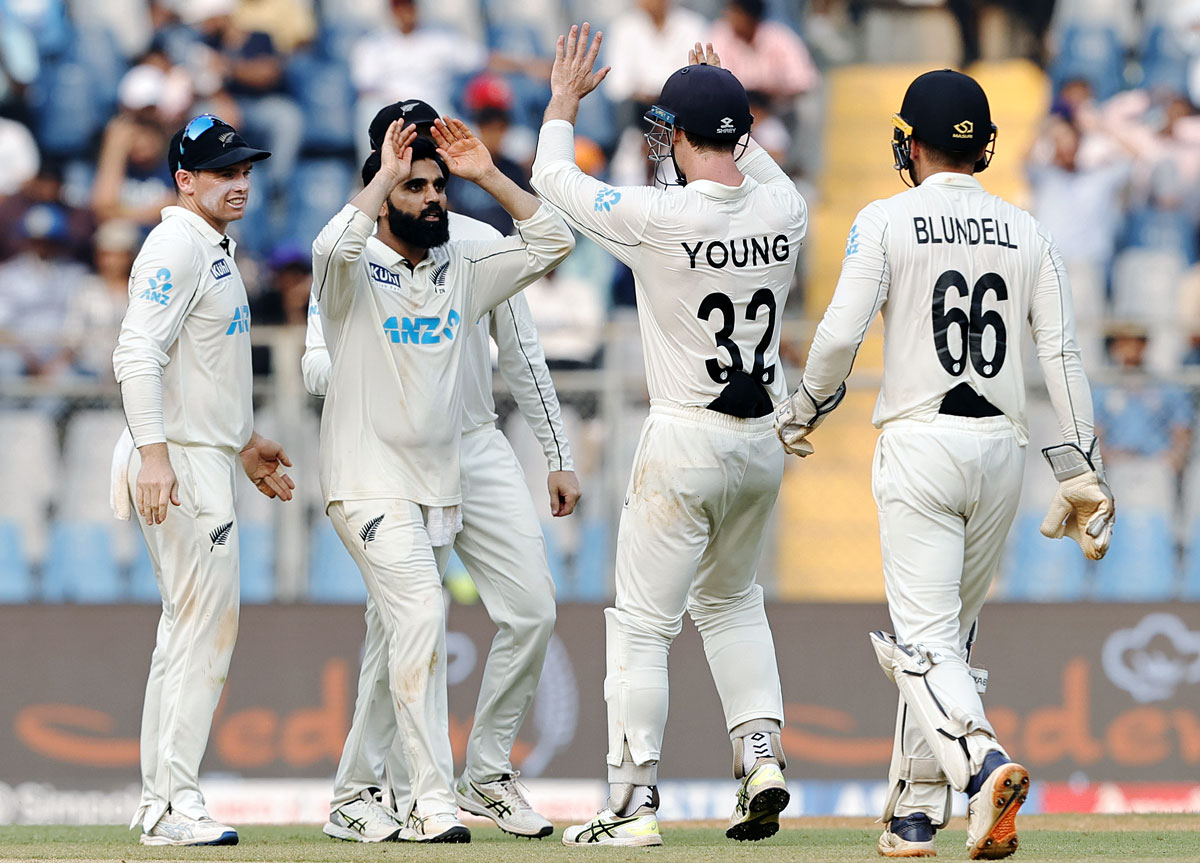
(159, 288)
(421, 331)
(606, 199)
(240, 322)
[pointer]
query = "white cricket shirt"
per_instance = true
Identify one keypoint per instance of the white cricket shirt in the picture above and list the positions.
(958, 273)
(188, 322)
(392, 416)
(521, 359)
(712, 265)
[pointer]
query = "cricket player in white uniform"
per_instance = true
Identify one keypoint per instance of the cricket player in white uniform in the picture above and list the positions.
(502, 548)
(395, 306)
(958, 273)
(712, 263)
(183, 362)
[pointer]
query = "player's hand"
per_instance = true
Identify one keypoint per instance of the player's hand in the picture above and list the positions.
(465, 155)
(564, 492)
(704, 54)
(261, 459)
(156, 484)
(395, 153)
(574, 59)
(1083, 510)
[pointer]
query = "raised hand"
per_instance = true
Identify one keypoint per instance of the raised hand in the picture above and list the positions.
(395, 153)
(704, 55)
(574, 60)
(465, 155)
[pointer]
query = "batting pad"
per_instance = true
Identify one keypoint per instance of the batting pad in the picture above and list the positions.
(941, 696)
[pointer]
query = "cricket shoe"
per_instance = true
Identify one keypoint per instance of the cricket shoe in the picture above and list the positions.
(504, 802)
(175, 828)
(438, 827)
(364, 819)
(761, 797)
(992, 812)
(608, 828)
(911, 836)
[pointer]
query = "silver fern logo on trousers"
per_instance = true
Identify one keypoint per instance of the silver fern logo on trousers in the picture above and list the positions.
(220, 535)
(368, 530)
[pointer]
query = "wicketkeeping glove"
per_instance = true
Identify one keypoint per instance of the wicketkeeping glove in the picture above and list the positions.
(800, 414)
(1083, 507)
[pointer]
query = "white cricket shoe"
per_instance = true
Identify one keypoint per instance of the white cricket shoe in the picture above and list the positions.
(365, 819)
(911, 836)
(175, 828)
(761, 797)
(504, 802)
(438, 827)
(608, 828)
(992, 813)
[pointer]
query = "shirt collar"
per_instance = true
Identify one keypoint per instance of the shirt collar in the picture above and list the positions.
(390, 258)
(952, 178)
(203, 228)
(712, 189)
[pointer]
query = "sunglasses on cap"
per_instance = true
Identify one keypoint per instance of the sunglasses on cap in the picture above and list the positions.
(197, 126)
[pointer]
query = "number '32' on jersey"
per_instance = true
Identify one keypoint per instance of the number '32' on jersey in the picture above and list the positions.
(712, 266)
(958, 274)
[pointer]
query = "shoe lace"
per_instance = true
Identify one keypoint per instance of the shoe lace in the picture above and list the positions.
(514, 790)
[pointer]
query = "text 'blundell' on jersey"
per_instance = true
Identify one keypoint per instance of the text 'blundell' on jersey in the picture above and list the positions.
(967, 232)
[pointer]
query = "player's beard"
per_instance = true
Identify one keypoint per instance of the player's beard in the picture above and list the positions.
(416, 231)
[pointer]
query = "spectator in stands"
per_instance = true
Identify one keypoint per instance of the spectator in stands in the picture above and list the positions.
(45, 188)
(410, 61)
(290, 23)
(284, 299)
(94, 312)
(251, 92)
(766, 56)
(1140, 420)
(643, 46)
(19, 159)
(35, 289)
(132, 180)
(489, 101)
(1079, 205)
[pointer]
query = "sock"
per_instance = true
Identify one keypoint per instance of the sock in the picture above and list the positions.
(643, 795)
(754, 747)
(991, 761)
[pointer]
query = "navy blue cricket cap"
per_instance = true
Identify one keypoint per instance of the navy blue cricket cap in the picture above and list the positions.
(947, 110)
(207, 143)
(705, 100)
(413, 112)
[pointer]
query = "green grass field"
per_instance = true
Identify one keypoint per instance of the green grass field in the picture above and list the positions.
(1075, 838)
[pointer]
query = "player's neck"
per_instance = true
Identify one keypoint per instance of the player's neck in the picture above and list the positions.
(715, 167)
(189, 203)
(413, 254)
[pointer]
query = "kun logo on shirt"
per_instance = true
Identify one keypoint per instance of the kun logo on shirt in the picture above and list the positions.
(971, 232)
(220, 269)
(385, 276)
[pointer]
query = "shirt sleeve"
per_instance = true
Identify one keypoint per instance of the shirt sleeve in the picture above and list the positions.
(861, 291)
(337, 251)
(1052, 319)
(163, 287)
(523, 367)
(315, 364)
(614, 218)
(501, 268)
(757, 164)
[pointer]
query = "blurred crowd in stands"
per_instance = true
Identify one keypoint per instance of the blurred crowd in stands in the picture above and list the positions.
(90, 93)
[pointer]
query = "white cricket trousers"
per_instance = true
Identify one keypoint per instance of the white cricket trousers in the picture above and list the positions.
(502, 548)
(402, 571)
(691, 531)
(947, 492)
(195, 557)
